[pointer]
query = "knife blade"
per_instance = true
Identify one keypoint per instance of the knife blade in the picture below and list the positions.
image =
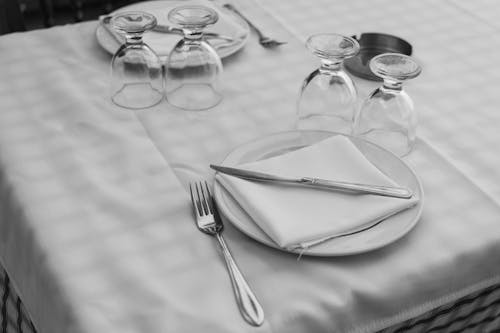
(178, 31)
(389, 191)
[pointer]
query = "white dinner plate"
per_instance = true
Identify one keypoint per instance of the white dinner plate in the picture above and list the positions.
(384, 233)
(228, 25)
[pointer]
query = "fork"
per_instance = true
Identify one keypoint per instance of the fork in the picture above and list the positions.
(209, 222)
(265, 41)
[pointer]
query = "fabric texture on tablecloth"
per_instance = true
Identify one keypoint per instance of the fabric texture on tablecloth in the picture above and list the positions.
(478, 312)
(96, 228)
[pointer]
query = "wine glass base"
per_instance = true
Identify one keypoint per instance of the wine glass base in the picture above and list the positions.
(194, 97)
(137, 96)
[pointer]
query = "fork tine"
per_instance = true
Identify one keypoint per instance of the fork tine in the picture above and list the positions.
(210, 198)
(199, 196)
(194, 201)
(205, 199)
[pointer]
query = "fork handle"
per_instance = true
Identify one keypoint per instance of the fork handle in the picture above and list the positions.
(237, 12)
(249, 306)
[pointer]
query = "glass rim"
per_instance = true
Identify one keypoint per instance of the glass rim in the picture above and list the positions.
(414, 67)
(210, 16)
(335, 52)
(149, 22)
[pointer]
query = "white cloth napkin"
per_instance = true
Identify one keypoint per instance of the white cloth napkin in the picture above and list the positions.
(301, 217)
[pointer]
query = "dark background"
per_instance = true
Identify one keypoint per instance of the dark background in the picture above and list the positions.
(18, 15)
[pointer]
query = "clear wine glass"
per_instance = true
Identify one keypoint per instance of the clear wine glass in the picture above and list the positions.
(328, 95)
(136, 71)
(193, 66)
(387, 117)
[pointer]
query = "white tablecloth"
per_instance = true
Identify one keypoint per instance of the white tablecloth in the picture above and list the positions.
(96, 229)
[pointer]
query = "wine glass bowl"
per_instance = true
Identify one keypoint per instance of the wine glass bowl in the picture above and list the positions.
(136, 71)
(387, 116)
(193, 66)
(327, 99)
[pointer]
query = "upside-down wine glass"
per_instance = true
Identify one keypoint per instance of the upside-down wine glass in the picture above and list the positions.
(193, 66)
(328, 96)
(387, 116)
(136, 71)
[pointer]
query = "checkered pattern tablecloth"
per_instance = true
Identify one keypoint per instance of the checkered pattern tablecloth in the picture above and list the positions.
(96, 229)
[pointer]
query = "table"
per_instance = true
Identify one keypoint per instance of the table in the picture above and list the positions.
(96, 231)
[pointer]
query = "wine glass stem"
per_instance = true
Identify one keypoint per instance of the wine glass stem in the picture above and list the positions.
(330, 66)
(193, 34)
(133, 38)
(392, 85)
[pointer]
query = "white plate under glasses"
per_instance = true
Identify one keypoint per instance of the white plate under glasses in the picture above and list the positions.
(228, 25)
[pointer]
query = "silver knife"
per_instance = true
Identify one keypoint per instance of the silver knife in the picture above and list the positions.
(388, 191)
(178, 31)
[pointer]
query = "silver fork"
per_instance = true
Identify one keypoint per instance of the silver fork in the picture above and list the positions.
(265, 41)
(209, 222)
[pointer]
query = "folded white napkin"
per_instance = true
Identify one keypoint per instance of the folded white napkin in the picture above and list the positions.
(299, 217)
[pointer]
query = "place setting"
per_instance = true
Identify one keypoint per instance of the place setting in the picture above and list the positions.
(332, 190)
(309, 193)
(336, 185)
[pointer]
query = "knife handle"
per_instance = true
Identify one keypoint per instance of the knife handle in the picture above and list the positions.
(389, 191)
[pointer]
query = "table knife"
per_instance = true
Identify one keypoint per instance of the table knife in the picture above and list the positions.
(389, 191)
(178, 31)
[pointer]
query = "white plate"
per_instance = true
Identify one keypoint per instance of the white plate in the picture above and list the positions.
(384, 233)
(227, 25)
